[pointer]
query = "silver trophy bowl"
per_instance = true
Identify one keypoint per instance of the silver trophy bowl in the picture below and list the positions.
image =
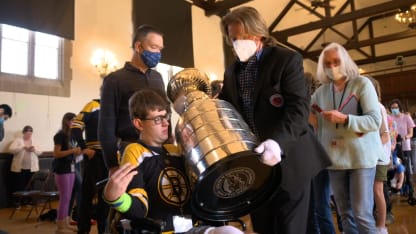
(227, 177)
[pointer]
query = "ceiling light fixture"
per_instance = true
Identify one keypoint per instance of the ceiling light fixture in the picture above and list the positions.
(407, 16)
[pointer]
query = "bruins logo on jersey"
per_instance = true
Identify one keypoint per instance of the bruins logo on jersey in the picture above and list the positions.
(174, 190)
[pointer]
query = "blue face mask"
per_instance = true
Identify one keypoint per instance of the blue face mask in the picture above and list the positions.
(1, 120)
(395, 111)
(151, 59)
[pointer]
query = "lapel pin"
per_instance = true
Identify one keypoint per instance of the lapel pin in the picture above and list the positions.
(276, 100)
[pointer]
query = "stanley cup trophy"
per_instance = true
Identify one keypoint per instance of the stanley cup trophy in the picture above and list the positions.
(227, 176)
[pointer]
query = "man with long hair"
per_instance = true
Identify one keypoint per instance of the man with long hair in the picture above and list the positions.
(266, 85)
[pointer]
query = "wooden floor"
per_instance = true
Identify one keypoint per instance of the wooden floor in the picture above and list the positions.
(404, 216)
(18, 224)
(405, 220)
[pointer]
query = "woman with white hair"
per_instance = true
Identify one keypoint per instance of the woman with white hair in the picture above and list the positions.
(347, 117)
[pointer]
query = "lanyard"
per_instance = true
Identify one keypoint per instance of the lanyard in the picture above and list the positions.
(342, 96)
(340, 101)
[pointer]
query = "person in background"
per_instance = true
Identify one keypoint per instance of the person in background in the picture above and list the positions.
(321, 220)
(5, 113)
(25, 160)
(397, 169)
(266, 85)
(74, 208)
(64, 152)
(94, 168)
(151, 181)
(405, 127)
(413, 146)
(348, 120)
(311, 82)
(115, 129)
(380, 197)
(216, 87)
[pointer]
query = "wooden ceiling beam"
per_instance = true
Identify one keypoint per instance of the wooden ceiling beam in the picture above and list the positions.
(383, 58)
(354, 45)
(341, 18)
(213, 7)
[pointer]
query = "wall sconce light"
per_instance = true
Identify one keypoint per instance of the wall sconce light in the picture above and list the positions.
(104, 61)
(212, 76)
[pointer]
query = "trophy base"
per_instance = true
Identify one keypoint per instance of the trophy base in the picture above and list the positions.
(233, 187)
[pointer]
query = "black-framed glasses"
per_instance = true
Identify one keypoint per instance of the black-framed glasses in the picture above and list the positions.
(158, 119)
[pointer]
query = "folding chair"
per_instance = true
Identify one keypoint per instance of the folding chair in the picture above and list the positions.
(48, 193)
(29, 195)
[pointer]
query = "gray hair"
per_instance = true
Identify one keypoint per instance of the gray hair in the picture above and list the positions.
(347, 65)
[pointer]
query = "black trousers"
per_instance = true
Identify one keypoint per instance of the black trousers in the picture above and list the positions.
(94, 171)
(284, 214)
(20, 179)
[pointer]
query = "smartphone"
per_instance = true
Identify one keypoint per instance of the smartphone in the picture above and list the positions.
(316, 108)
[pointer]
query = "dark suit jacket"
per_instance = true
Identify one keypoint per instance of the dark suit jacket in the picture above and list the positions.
(280, 76)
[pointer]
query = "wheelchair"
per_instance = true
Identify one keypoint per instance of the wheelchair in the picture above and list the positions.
(147, 225)
(408, 181)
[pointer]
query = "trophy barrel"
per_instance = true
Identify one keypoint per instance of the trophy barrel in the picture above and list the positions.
(228, 180)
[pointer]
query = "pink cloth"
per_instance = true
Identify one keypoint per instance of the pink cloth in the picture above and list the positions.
(404, 122)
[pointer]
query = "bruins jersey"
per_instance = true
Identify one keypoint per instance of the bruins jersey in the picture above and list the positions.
(87, 120)
(161, 187)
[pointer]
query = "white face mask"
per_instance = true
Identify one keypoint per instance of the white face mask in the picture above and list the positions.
(244, 49)
(334, 73)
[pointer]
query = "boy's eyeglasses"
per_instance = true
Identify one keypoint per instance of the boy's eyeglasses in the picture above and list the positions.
(158, 119)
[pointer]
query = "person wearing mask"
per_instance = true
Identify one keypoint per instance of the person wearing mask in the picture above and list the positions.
(115, 129)
(94, 168)
(5, 114)
(321, 220)
(64, 151)
(381, 196)
(403, 150)
(267, 87)
(151, 182)
(25, 160)
(348, 120)
(397, 170)
(405, 127)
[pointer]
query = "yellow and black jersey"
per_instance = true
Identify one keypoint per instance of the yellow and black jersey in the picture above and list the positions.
(161, 188)
(87, 120)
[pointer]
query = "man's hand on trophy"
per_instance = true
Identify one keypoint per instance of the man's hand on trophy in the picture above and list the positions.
(270, 152)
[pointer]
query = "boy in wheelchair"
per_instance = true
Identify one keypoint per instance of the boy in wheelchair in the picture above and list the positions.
(151, 187)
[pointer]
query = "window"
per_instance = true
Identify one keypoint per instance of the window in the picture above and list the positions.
(34, 62)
